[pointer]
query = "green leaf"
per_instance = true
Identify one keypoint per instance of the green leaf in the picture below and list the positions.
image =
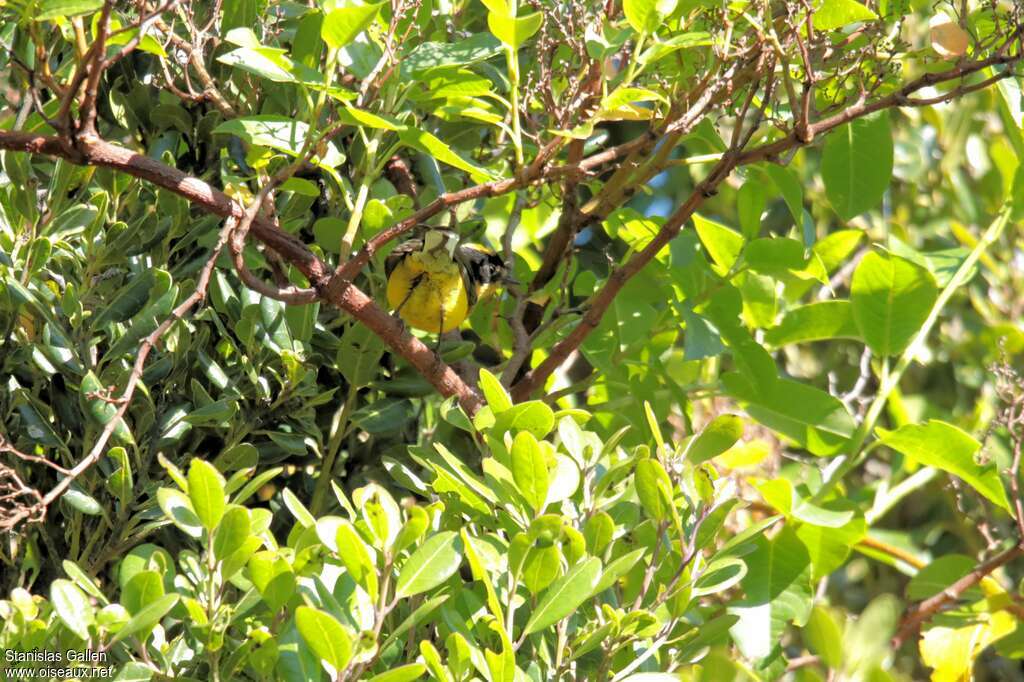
(120, 481)
(82, 502)
(645, 16)
(778, 591)
(51, 9)
(82, 579)
(719, 575)
(428, 143)
(829, 547)
(358, 358)
(513, 31)
(298, 510)
(818, 421)
(495, 394)
(143, 588)
(232, 531)
(206, 491)
(653, 487)
(618, 568)
(833, 14)
(127, 302)
(565, 595)
(722, 243)
(789, 185)
(431, 564)
(101, 410)
(541, 567)
(824, 637)
(72, 607)
(273, 577)
(856, 162)
(750, 201)
(403, 673)
(415, 618)
(715, 438)
(177, 507)
(814, 322)
(944, 446)
(325, 636)
(278, 132)
(476, 48)
(356, 557)
(530, 470)
(341, 25)
(145, 620)
(533, 416)
(891, 299)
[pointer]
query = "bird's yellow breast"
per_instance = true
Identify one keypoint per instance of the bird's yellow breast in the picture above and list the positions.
(428, 292)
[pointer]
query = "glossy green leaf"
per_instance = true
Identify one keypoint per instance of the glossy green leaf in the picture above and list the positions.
(402, 673)
(177, 507)
(101, 409)
(891, 300)
(431, 564)
(51, 9)
(833, 14)
(277, 132)
(495, 394)
(722, 243)
(824, 636)
(325, 636)
(342, 24)
(206, 491)
(944, 446)
(232, 532)
(146, 619)
(533, 416)
(356, 557)
(715, 438)
(814, 322)
(857, 160)
(429, 143)
(530, 470)
(72, 607)
(565, 595)
(778, 591)
(645, 16)
(514, 31)
(654, 488)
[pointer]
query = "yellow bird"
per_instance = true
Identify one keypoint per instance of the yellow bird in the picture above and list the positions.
(434, 282)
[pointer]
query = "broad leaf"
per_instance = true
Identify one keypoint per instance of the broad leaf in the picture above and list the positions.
(944, 446)
(891, 300)
(856, 162)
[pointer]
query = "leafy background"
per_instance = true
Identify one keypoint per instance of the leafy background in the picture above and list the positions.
(699, 493)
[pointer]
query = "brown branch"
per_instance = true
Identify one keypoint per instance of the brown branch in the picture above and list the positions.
(601, 301)
(7, 446)
(288, 294)
(96, 64)
(532, 173)
(339, 292)
(913, 620)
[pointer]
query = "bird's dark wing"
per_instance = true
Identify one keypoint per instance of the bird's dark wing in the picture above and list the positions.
(401, 251)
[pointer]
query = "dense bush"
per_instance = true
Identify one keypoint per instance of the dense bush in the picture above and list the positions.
(749, 410)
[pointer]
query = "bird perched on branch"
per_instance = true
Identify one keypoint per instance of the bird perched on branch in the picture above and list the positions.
(434, 281)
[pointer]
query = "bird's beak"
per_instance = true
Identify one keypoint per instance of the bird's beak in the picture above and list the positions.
(510, 280)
